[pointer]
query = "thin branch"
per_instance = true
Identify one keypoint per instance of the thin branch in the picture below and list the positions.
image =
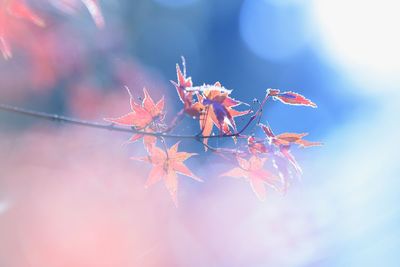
(203, 121)
(177, 119)
(110, 127)
(113, 127)
(221, 152)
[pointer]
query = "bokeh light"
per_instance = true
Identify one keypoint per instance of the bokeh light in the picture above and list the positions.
(275, 30)
(362, 38)
(4, 206)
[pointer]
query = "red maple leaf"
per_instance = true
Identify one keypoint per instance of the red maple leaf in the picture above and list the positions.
(182, 82)
(191, 107)
(284, 141)
(287, 139)
(217, 107)
(213, 105)
(10, 12)
(167, 164)
(147, 116)
(253, 171)
(256, 146)
(290, 98)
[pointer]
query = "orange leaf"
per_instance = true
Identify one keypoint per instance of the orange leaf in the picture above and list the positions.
(290, 98)
(219, 110)
(191, 107)
(257, 146)
(146, 117)
(287, 139)
(283, 143)
(253, 171)
(166, 165)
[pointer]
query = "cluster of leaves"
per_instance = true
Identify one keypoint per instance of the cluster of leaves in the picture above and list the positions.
(210, 104)
(213, 107)
(12, 11)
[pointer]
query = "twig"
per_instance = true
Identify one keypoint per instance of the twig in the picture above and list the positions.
(220, 152)
(111, 127)
(177, 119)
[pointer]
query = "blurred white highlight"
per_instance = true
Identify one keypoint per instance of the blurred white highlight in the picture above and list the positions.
(275, 30)
(362, 37)
(4, 206)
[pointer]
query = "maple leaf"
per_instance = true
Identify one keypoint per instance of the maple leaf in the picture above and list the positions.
(287, 139)
(167, 164)
(147, 116)
(218, 110)
(253, 171)
(290, 98)
(191, 107)
(284, 150)
(256, 146)
(182, 82)
(12, 10)
(284, 169)
(213, 105)
(284, 141)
